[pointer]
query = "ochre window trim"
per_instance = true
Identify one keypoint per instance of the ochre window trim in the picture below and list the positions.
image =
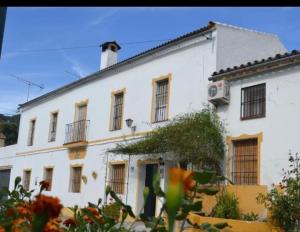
(154, 84)
(112, 103)
(230, 140)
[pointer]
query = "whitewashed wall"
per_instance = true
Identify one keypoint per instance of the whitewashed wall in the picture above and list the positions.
(242, 45)
(281, 125)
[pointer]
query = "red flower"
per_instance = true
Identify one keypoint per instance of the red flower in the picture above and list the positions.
(44, 185)
(46, 204)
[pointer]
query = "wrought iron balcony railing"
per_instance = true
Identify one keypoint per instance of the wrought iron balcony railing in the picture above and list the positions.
(77, 131)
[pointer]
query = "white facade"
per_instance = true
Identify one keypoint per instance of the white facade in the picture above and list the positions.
(280, 126)
(189, 63)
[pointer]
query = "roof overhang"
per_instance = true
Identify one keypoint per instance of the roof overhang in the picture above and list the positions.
(258, 67)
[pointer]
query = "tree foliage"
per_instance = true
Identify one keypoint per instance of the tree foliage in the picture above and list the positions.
(191, 137)
(9, 126)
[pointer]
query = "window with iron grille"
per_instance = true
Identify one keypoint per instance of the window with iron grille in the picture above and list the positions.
(53, 125)
(161, 101)
(117, 180)
(118, 111)
(48, 177)
(75, 179)
(26, 179)
(244, 166)
(253, 102)
(31, 133)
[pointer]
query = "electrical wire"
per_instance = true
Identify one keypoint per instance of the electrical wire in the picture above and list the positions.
(76, 47)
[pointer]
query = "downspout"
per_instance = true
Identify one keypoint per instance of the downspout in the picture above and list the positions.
(127, 181)
(105, 198)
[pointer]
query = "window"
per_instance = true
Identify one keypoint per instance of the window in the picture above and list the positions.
(244, 167)
(253, 102)
(53, 125)
(26, 179)
(75, 182)
(48, 174)
(31, 132)
(117, 111)
(117, 178)
(161, 100)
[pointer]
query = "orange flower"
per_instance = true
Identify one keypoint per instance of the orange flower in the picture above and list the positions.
(53, 225)
(178, 175)
(19, 225)
(69, 221)
(46, 204)
(44, 185)
(2, 229)
(96, 215)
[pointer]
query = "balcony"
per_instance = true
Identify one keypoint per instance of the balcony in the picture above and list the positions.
(76, 133)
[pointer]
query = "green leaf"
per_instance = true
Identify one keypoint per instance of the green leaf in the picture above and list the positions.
(203, 177)
(208, 191)
(221, 225)
(17, 181)
(197, 206)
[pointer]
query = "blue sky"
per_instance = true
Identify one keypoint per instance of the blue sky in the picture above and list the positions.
(50, 27)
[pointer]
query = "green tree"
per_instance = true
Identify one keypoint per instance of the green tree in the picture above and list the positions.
(9, 126)
(191, 138)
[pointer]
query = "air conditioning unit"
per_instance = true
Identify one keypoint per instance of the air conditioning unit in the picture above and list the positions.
(218, 92)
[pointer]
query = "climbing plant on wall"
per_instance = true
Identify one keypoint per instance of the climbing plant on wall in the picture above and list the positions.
(192, 137)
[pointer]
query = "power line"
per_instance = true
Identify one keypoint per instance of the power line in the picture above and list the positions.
(76, 47)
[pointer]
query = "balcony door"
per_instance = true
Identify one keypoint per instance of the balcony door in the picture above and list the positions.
(80, 123)
(80, 114)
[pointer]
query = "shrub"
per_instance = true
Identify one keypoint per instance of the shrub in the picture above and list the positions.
(21, 212)
(227, 205)
(284, 204)
(250, 216)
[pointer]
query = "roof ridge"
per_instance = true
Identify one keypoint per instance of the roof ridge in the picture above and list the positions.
(246, 29)
(278, 56)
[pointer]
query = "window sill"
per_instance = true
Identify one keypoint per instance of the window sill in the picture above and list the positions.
(156, 122)
(249, 118)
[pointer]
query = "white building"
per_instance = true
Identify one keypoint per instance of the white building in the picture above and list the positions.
(64, 134)
(262, 117)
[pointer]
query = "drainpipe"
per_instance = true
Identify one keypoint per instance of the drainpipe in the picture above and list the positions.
(128, 167)
(105, 198)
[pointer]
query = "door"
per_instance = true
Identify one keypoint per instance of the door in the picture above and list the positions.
(4, 178)
(150, 206)
(80, 123)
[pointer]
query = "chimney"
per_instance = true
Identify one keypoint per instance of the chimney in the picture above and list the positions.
(2, 140)
(109, 55)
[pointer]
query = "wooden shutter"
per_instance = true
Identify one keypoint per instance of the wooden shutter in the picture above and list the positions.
(48, 177)
(76, 179)
(26, 179)
(118, 111)
(118, 178)
(245, 162)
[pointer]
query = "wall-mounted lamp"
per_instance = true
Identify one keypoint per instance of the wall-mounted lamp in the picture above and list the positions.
(129, 122)
(161, 161)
